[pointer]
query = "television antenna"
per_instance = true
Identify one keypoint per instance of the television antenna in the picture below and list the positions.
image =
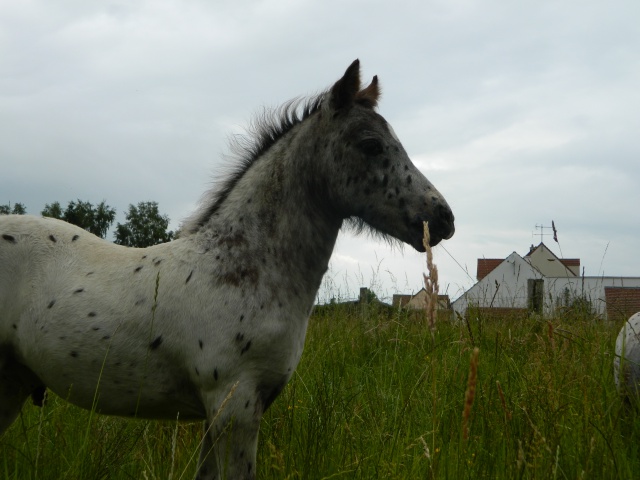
(541, 232)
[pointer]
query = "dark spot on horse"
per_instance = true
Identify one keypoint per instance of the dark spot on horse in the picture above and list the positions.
(139, 302)
(236, 277)
(9, 238)
(262, 307)
(75, 237)
(402, 202)
(62, 337)
(14, 326)
(200, 343)
(90, 273)
(215, 374)
(385, 163)
(143, 257)
(385, 181)
(117, 364)
(246, 405)
(51, 303)
(95, 329)
(52, 238)
(197, 371)
(106, 337)
(348, 181)
(408, 179)
(241, 454)
(245, 348)
(389, 196)
(249, 467)
(241, 317)
(249, 201)
(92, 314)
(189, 277)
(74, 354)
(156, 343)
(406, 167)
(239, 337)
(156, 263)
(80, 290)
(279, 304)
(138, 269)
(217, 257)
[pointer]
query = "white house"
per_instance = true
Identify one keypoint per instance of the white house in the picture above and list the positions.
(541, 282)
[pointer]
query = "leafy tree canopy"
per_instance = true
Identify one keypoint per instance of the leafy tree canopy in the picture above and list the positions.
(96, 220)
(17, 209)
(144, 226)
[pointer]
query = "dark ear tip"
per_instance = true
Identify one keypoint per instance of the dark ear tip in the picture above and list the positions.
(355, 65)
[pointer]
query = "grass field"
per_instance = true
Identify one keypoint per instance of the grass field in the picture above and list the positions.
(376, 395)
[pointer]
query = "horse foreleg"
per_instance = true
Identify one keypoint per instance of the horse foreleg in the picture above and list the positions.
(17, 382)
(231, 441)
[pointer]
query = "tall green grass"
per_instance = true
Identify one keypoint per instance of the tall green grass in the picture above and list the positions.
(377, 395)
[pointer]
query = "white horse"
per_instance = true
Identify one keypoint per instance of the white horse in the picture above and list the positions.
(626, 363)
(212, 325)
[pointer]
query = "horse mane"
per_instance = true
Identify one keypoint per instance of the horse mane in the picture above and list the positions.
(264, 131)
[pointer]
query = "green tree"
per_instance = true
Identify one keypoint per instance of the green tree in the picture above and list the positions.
(53, 210)
(144, 226)
(96, 220)
(18, 209)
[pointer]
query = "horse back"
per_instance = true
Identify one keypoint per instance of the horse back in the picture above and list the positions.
(37, 255)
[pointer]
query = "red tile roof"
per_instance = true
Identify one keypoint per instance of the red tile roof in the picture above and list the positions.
(622, 302)
(486, 265)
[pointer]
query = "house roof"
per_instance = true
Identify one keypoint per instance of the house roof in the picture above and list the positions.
(486, 265)
(567, 262)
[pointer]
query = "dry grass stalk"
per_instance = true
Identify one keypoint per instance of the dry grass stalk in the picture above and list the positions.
(503, 401)
(430, 281)
(470, 393)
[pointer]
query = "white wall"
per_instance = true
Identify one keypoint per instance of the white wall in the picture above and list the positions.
(511, 277)
(591, 288)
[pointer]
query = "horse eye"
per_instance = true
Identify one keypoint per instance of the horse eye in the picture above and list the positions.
(371, 146)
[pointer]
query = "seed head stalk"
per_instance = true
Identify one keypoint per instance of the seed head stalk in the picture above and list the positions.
(430, 282)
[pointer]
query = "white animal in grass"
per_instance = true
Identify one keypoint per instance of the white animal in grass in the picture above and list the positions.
(626, 364)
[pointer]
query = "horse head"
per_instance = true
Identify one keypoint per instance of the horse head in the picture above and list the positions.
(374, 184)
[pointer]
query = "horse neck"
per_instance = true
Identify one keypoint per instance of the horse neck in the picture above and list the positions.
(275, 217)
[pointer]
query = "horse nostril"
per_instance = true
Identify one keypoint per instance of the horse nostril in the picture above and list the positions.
(445, 215)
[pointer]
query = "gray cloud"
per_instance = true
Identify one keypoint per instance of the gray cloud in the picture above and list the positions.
(519, 113)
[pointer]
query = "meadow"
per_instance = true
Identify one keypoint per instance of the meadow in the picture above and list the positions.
(377, 394)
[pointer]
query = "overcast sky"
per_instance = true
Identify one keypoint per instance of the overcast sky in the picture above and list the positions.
(520, 113)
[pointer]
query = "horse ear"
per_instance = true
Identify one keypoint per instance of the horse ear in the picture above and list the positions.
(344, 91)
(370, 95)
